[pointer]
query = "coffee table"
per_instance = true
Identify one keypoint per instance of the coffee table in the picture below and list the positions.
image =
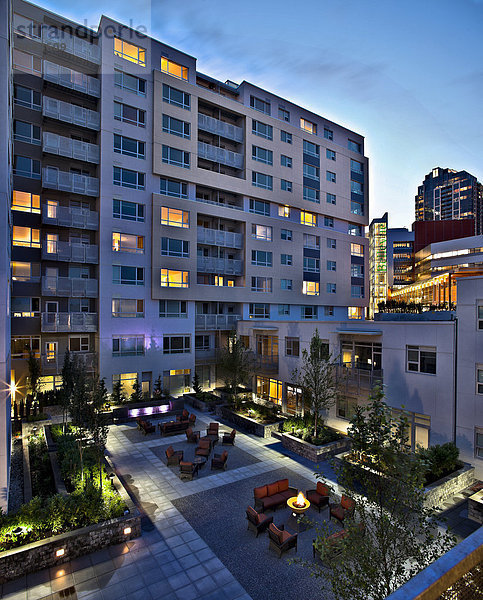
(200, 461)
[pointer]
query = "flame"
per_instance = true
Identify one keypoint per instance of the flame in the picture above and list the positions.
(300, 500)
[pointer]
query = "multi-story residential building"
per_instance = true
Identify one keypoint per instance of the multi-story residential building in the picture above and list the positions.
(447, 194)
(378, 285)
(400, 257)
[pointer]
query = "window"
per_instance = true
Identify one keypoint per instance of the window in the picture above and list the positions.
(129, 114)
(329, 311)
(311, 241)
(23, 61)
(25, 202)
(259, 104)
(25, 271)
(331, 265)
(285, 185)
(173, 156)
(25, 237)
(286, 284)
(284, 211)
(262, 181)
(27, 97)
(261, 284)
(26, 132)
(330, 198)
(354, 229)
(26, 27)
(125, 242)
(176, 127)
(262, 232)
(356, 187)
(25, 306)
(130, 52)
(311, 288)
(331, 288)
(129, 146)
(284, 309)
(129, 211)
(174, 69)
(357, 270)
(354, 146)
(311, 172)
(309, 312)
(262, 129)
(311, 194)
(357, 291)
(479, 442)
(269, 389)
(292, 346)
(330, 154)
(176, 97)
(308, 218)
(259, 310)
(173, 309)
(329, 222)
(260, 258)
(480, 317)
(174, 247)
(202, 342)
(127, 275)
(20, 346)
(311, 265)
(26, 167)
(421, 359)
(286, 259)
(357, 167)
(127, 178)
(283, 114)
(262, 155)
(286, 234)
(330, 176)
(127, 381)
(170, 187)
(308, 126)
(357, 250)
(354, 312)
(79, 343)
(328, 134)
(259, 207)
(346, 407)
(331, 243)
(127, 307)
(312, 149)
(286, 137)
(128, 345)
(176, 344)
(173, 278)
(286, 161)
(129, 82)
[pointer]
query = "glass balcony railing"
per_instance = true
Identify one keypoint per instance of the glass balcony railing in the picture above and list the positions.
(70, 216)
(70, 113)
(214, 237)
(217, 127)
(216, 321)
(54, 179)
(69, 321)
(75, 287)
(221, 266)
(74, 80)
(70, 252)
(64, 146)
(220, 155)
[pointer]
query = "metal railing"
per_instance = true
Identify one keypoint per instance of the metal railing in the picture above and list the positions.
(74, 80)
(70, 216)
(220, 155)
(54, 179)
(75, 287)
(226, 130)
(52, 364)
(221, 266)
(70, 113)
(354, 374)
(266, 364)
(64, 146)
(220, 204)
(227, 322)
(216, 237)
(69, 321)
(61, 40)
(68, 251)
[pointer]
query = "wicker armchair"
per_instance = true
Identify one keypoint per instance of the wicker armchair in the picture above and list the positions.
(203, 448)
(229, 438)
(281, 540)
(219, 460)
(344, 509)
(318, 497)
(192, 436)
(257, 522)
(173, 457)
(187, 470)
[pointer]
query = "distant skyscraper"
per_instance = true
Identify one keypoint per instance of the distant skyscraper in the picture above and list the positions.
(448, 194)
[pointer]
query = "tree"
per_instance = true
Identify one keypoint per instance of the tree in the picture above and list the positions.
(197, 385)
(317, 378)
(236, 364)
(158, 388)
(392, 535)
(80, 414)
(97, 421)
(117, 395)
(34, 373)
(70, 373)
(137, 391)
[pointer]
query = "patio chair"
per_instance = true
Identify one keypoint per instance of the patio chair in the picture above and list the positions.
(192, 419)
(281, 540)
(192, 436)
(187, 470)
(203, 448)
(173, 457)
(229, 438)
(257, 522)
(344, 509)
(183, 416)
(212, 431)
(319, 497)
(219, 460)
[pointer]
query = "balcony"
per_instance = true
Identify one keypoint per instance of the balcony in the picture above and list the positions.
(70, 113)
(214, 237)
(74, 80)
(52, 365)
(70, 216)
(71, 44)
(353, 375)
(220, 155)
(53, 179)
(68, 322)
(266, 364)
(217, 127)
(64, 146)
(220, 204)
(211, 322)
(220, 266)
(70, 252)
(75, 287)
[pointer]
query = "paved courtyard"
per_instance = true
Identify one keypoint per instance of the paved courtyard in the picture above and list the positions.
(195, 544)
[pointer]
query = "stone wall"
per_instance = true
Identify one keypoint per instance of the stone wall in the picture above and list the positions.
(315, 453)
(448, 486)
(475, 507)
(249, 425)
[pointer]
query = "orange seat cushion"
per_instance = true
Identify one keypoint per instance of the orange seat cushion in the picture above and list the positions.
(260, 492)
(253, 513)
(277, 532)
(347, 503)
(282, 485)
(272, 489)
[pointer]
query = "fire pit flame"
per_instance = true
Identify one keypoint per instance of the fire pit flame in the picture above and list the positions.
(300, 502)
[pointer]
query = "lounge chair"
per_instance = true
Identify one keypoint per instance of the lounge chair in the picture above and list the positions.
(173, 457)
(281, 540)
(257, 522)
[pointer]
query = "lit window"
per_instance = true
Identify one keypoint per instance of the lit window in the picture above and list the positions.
(174, 69)
(127, 381)
(124, 242)
(284, 211)
(26, 237)
(127, 307)
(357, 250)
(175, 217)
(130, 52)
(172, 278)
(25, 271)
(308, 126)
(25, 202)
(311, 288)
(25, 306)
(307, 218)
(20, 346)
(354, 312)
(262, 232)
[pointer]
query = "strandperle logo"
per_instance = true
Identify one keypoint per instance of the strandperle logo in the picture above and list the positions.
(55, 34)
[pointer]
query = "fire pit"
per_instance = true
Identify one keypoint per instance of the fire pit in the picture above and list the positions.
(298, 504)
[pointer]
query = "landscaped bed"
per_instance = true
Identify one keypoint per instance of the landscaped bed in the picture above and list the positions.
(254, 418)
(204, 401)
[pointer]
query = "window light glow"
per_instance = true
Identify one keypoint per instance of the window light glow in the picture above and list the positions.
(172, 278)
(130, 52)
(174, 69)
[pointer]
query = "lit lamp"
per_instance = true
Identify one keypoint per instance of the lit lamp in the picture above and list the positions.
(18, 531)
(60, 552)
(127, 530)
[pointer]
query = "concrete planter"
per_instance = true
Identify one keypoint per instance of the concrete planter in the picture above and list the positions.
(312, 452)
(201, 405)
(246, 423)
(152, 408)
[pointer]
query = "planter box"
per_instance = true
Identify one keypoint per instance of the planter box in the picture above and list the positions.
(201, 404)
(312, 452)
(246, 423)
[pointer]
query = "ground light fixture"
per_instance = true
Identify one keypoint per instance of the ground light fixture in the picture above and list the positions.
(127, 530)
(60, 552)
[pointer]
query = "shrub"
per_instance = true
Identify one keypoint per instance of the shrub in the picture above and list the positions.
(440, 460)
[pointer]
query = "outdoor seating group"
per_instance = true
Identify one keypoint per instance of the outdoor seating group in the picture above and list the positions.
(318, 497)
(273, 495)
(183, 423)
(145, 426)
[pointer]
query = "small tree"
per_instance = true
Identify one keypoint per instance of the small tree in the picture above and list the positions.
(97, 422)
(158, 388)
(117, 395)
(70, 373)
(137, 391)
(35, 372)
(236, 365)
(80, 409)
(197, 385)
(317, 378)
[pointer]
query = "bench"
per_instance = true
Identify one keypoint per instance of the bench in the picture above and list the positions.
(273, 495)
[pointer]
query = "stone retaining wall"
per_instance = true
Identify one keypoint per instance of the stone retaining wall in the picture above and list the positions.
(249, 425)
(312, 452)
(448, 486)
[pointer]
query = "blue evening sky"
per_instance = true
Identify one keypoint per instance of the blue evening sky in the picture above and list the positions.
(407, 74)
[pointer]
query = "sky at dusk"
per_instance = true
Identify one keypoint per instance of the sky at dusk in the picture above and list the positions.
(406, 74)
